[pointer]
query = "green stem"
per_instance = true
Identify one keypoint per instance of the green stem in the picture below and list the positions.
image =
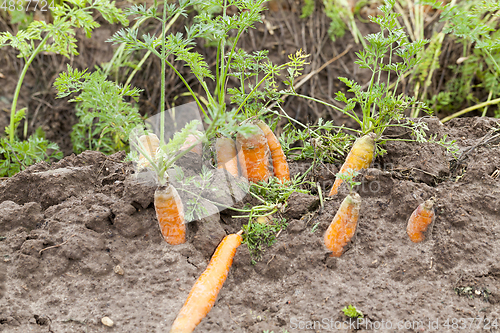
(188, 87)
(146, 56)
(170, 163)
(497, 67)
(253, 215)
(355, 117)
(20, 83)
(216, 203)
(391, 125)
(162, 85)
(389, 73)
(251, 93)
(414, 113)
(489, 99)
(217, 61)
(220, 83)
(223, 79)
(472, 108)
(366, 108)
(119, 52)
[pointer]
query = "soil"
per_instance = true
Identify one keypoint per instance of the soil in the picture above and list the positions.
(79, 241)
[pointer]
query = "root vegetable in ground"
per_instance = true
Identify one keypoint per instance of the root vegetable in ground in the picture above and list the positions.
(227, 159)
(343, 226)
(360, 157)
(170, 214)
(420, 220)
(253, 154)
(280, 165)
(150, 142)
(191, 140)
(202, 296)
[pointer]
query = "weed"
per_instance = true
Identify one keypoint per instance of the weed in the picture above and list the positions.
(450, 146)
(351, 312)
(473, 292)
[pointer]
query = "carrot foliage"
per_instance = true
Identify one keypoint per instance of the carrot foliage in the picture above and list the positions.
(349, 177)
(33, 38)
(322, 142)
(104, 122)
(257, 236)
(390, 57)
(224, 108)
(475, 25)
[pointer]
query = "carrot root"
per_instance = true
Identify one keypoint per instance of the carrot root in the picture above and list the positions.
(150, 143)
(280, 165)
(360, 157)
(170, 214)
(343, 226)
(253, 155)
(420, 220)
(227, 159)
(204, 292)
(192, 140)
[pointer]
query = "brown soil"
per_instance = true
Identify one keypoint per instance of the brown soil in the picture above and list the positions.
(88, 216)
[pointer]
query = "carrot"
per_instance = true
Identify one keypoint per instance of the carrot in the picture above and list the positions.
(226, 155)
(360, 157)
(202, 296)
(151, 144)
(419, 220)
(191, 140)
(343, 225)
(170, 214)
(280, 165)
(253, 154)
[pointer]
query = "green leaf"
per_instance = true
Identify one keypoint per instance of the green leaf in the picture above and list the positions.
(351, 312)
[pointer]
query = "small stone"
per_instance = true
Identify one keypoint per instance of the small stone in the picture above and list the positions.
(106, 321)
(118, 270)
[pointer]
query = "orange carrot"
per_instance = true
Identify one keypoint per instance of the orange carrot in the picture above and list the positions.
(202, 296)
(150, 142)
(278, 157)
(253, 154)
(360, 157)
(419, 220)
(343, 225)
(170, 214)
(226, 155)
(191, 140)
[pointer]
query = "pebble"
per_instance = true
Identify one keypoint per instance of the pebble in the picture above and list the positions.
(118, 270)
(106, 321)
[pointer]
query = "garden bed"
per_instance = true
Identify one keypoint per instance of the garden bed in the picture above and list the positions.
(80, 241)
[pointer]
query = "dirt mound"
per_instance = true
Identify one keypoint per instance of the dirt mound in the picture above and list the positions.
(80, 241)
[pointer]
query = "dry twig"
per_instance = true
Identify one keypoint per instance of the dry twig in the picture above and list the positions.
(51, 247)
